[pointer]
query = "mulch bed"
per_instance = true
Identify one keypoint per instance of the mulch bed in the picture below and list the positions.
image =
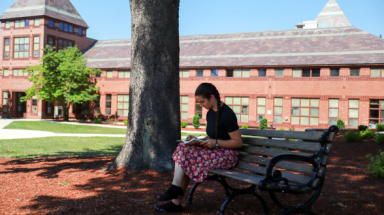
(78, 186)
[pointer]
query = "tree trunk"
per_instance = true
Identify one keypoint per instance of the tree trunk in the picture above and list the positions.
(154, 113)
(65, 111)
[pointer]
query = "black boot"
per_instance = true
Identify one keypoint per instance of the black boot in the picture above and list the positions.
(173, 192)
(169, 207)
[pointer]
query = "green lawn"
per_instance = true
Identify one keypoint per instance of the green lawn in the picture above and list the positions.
(61, 146)
(68, 128)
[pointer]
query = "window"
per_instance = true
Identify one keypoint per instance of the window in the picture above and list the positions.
(124, 74)
(214, 73)
(240, 106)
(34, 104)
(241, 73)
(353, 113)
(27, 23)
(305, 111)
(51, 42)
(184, 73)
(278, 111)
(262, 73)
(70, 29)
(260, 109)
(21, 23)
(333, 111)
(80, 31)
(109, 74)
(20, 72)
(36, 46)
(122, 105)
(6, 48)
(64, 44)
(97, 105)
(5, 101)
(51, 23)
(108, 104)
(335, 72)
(355, 73)
(65, 27)
(81, 108)
(377, 72)
(200, 73)
(184, 107)
(229, 72)
(6, 72)
(21, 48)
(37, 22)
(98, 75)
(198, 110)
(279, 73)
(48, 106)
(7, 24)
(61, 26)
(376, 113)
(306, 73)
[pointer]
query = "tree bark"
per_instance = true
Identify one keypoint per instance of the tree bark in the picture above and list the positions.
(154, 113)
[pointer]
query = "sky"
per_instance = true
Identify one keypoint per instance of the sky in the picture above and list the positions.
(111, 19)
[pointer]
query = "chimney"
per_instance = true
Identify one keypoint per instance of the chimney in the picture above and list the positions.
(300, 25)
(380, 36)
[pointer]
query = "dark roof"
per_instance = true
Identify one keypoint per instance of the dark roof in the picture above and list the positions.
(332, 16)
(58, 9)
(321, 46)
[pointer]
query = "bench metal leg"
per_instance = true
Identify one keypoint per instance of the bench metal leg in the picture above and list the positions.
(190, 197)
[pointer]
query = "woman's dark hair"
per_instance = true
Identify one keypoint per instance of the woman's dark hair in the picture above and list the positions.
(205, 90)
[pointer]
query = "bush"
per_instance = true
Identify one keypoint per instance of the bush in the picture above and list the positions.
(291, 128)
(125, 122)
(184, 124)
(351, 136)
(380, 127)
(282, 129)
(362, 127)
(367, 134)
(196, 121)
(98, 120)
(111, 121)
(340, 124)
(244, 126)
(263, 124)
(376, 168)
(380, 139)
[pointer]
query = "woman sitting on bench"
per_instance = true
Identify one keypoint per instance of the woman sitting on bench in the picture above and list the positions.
(193, 159)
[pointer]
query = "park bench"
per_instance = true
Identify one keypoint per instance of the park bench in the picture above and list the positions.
(291, 171)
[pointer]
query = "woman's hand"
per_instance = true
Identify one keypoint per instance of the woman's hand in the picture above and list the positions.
(210, 143)
(190, 137)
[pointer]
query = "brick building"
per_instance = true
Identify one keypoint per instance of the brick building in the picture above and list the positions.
(308, 76)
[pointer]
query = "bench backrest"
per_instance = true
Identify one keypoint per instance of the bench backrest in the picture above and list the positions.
(259, 146)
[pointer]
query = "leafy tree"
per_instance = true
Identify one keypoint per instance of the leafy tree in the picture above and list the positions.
(340, 124)
(263, 124)
(62, 76)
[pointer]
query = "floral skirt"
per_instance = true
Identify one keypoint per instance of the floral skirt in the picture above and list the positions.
(196, 160)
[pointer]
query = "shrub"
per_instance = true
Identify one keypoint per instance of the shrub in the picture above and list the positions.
(380, 139)
(184, 124)
(291, 128)
(263, 124)
(111, 121)
(380, 127)
(362, 127)
(340, 124)
(351, 136)
(376, 168)
(282, 129)
(125, 122)
(98, 120)
(244, 126)
(367, 134)
(196, 121)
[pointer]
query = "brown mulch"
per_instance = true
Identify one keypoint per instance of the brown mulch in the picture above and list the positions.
(78, 186)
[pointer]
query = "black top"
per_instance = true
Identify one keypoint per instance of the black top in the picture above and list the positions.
(227, 123)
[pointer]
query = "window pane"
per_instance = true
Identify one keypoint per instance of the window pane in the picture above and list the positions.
(71, 28)
(278, 101)
(353, 113)
(237, 73)
(8, 24)
(353, 103)
(119, 112)
(314, 111)
(295, 102)
(244, 109)
(65, 27)
(279, 73)
(260, 110)
(37, 22)
(108, 111)
(184, 115)
(120, 105)
(296, 73)
(375, 72)
(315, 102)
(17, 24)
(127, 74)
(186, 74)
(17, 40)
(120, 98)
(109, 74)
(306, 72)
(214, 73)
(333, 112)
(315, 72)
(121, 74)
(236, 109)
(237, 100)
(355, 72)
(184, 107)
(277, 119)
(6, 48)
(244, 118)
(246, 75)
(6, 72)
(353, 123)
(382, 114)
(304, 112)
(334, 72)
(228, 100)
(374, 104)
(109, 97)
(334, 103)
(332, 121)
(295, 111)
(382, 103)
(295, 120)
(34, 109)
(314, 121)
(373, 113)
(36, 47)
(61, 26)
(278, 111)
(200, 73)
(5, 101)
(305, 102)
(184, 99)
(260, 117)
(260, 101)
(304, 120)
(126, 105)
(262, 73)
(109, 104)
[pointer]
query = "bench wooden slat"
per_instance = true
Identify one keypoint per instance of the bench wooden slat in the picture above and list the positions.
(297, 167)
(239, 175)
(301, 179)
(269, 152)
(285, 134)
(298, 145)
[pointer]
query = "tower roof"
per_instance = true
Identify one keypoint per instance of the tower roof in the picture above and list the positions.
(332, 16)
(58, 9)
